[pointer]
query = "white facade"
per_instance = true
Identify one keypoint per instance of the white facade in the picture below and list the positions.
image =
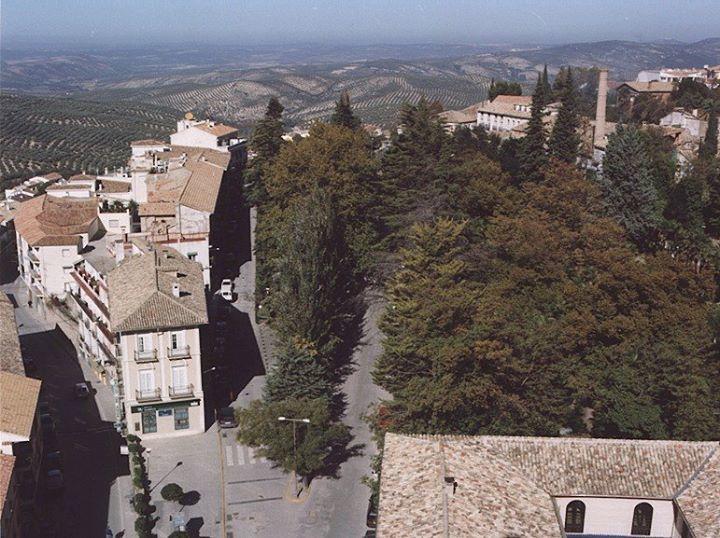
(46, 269)
(116, 223)
(614, 516)
(162, 379)
(499, 122)
(685, 120)
(204, 134)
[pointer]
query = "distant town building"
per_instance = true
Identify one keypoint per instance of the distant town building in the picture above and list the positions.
(708, 74)
(629, 91)
(453, 119)
(204, 134)
(50, 234)
(504, 112)
(542, 486)
(689, 120)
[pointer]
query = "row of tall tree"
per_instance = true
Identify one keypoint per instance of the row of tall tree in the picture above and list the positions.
(310, 237)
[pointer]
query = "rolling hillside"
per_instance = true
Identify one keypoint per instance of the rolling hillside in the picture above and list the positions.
(40, 134)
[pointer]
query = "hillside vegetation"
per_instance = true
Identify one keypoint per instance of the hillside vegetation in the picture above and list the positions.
(40, 134)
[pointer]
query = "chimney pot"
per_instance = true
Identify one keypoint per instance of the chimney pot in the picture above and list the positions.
(176, 289)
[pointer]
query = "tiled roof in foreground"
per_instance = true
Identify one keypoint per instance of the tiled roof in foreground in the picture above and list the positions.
(141, 292)
(505, 485)
(10, 353)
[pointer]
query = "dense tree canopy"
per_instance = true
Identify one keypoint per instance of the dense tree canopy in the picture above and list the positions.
(503, 87)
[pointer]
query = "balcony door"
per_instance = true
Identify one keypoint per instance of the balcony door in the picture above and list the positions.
(146, 381)
(143, 343)
(177, 341)
(179, 377)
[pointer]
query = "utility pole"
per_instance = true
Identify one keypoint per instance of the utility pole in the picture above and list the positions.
(294, 424)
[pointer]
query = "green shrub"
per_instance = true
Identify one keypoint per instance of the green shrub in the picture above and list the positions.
(172, 492)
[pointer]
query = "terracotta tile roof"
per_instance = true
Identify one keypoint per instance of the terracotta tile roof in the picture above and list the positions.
(46, 220)
(113, 186)
(52, 176)
(160, 209)
(141, 297)
(218, 129)
(7, 464)
(506, 484)
(148, 142)
(10, 353)
(196, 181)
(82, 177)
(466, 115)
(19, 402)
(68, 187)
(504, 105)
(654, 86)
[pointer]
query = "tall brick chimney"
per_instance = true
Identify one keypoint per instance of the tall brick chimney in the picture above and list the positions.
(600, 110)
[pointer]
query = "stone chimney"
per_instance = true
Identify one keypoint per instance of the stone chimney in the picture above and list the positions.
(600, 110)
(176, 289)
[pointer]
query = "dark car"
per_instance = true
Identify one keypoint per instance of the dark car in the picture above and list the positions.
(371, 520)
(226, 418)
(47, 423)
(53, 460)
(81, 391)
(29, 365)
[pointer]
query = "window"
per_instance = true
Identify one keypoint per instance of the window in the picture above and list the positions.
(146, 381)
(642, 519)
(179, 377)
(182, 418)
(149, 421)
(67, 269)
(192, 255)
(176, 340)
(143, 343)
(114, 223)
(66, 253)
(575, 517)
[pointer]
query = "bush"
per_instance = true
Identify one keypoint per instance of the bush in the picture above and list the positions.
(133, 438)
(178, 534)
(144, 525)
(172, 492)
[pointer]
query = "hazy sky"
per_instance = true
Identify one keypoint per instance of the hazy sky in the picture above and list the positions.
(133, 22)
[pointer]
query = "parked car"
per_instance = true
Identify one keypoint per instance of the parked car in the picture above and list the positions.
(226, 289)
(81, 391)
(44, 408)
(54, 480)
(226, 418)
(371, 519)
(53, 460)
(47, 423)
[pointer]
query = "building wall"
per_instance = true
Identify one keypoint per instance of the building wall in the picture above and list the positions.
(116, 223)
(164, 408)
(56, 264)
(6, 442)
(613, 516)
(194, 137)
(498, 122)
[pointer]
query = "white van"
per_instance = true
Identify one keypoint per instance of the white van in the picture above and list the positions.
(226, 289)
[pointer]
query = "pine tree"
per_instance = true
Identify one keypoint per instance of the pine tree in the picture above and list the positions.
(630, 195)
(532, 156)
(343, 114)
(564, 140)
(709, 146)
(298, 374)
(547, 90)
(267, 138)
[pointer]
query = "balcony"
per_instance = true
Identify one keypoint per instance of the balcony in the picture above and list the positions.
(32, 256)
(148, 355)
(181, 352)
(185, 391)
(149, 395)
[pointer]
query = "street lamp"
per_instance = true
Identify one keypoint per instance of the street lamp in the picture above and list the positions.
(294, 423)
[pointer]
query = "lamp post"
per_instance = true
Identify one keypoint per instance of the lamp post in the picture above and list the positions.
(294, 424)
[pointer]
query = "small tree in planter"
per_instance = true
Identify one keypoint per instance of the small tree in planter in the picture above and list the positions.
(178, 534)
(172, 492)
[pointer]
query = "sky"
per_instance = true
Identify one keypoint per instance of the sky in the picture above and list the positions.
(247, 22)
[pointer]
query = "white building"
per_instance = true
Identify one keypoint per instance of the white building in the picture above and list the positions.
(140, 310)
(683, 119)
(531, 487)
(504, 112)
(204, 134)
(50, 235)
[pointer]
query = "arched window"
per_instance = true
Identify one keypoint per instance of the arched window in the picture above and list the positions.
(642, 519)
(575, 517)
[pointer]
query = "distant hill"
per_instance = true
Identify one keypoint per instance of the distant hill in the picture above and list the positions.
(41, 134)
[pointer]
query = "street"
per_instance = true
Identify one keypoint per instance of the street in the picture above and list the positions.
(88, 444)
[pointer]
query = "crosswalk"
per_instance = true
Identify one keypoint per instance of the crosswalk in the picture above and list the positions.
(237, 454)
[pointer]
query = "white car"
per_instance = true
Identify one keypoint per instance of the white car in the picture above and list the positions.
(226, 289)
